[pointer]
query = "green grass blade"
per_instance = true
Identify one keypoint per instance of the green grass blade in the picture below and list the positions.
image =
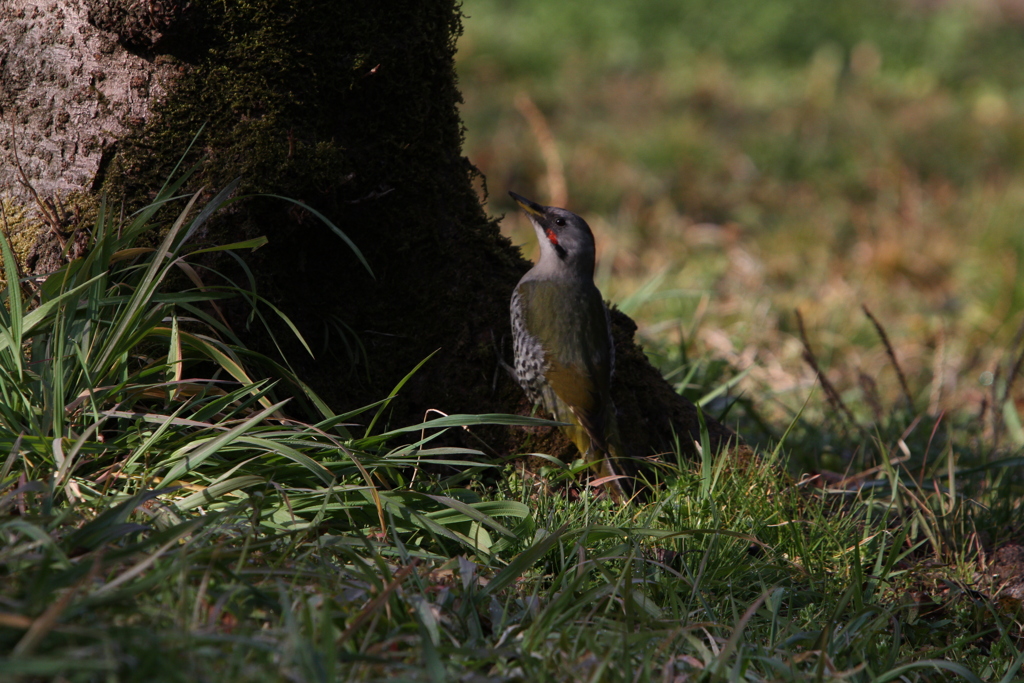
(211, 207)
(522, 562)
(942, 664)
(394, 392)
(212, 493)
(326, 221)
(192, 455)
(15, 305)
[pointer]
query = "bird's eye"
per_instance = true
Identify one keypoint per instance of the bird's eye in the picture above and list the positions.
(559, 221)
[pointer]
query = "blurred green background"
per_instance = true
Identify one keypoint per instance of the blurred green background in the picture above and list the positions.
(741, 160)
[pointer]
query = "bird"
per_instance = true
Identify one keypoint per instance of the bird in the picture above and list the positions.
(564, 354)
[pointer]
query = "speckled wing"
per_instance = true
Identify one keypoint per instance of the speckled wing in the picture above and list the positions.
(529, 356)
(563, 351)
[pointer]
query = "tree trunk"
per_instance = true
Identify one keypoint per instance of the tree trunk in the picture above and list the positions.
(349, 107)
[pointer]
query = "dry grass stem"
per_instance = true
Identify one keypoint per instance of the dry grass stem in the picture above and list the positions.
(52, 219)
(557, 189)
(892, 354)
(938, 373)
(831, 394)
(870, 389)
(1011, 379)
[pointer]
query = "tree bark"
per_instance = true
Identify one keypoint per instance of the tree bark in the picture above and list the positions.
(349, 107)
(68, 91)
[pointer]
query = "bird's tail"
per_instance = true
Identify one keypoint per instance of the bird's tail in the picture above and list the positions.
(601, 452)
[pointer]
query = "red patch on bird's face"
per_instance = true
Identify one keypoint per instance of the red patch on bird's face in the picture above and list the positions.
(552, 237)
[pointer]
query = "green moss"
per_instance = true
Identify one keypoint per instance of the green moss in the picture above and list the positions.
(20, 229)
(31, 237)
(351, 108)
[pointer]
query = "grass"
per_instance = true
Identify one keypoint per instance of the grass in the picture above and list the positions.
(165, 517)
(174, 506)
(758, 160)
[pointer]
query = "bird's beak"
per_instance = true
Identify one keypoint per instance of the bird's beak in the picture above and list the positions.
(532, 208)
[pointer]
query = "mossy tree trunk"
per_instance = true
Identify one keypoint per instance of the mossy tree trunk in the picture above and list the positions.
(349, 107)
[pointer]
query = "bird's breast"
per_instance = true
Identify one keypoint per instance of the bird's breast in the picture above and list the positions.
(566, 320)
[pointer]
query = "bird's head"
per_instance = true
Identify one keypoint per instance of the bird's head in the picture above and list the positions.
(566, 241)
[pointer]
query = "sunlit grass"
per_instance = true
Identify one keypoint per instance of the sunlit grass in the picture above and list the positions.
(175, 507)
(186, 519)
(776, 158)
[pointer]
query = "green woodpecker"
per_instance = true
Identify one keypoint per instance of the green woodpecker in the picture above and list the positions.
(562, 337)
